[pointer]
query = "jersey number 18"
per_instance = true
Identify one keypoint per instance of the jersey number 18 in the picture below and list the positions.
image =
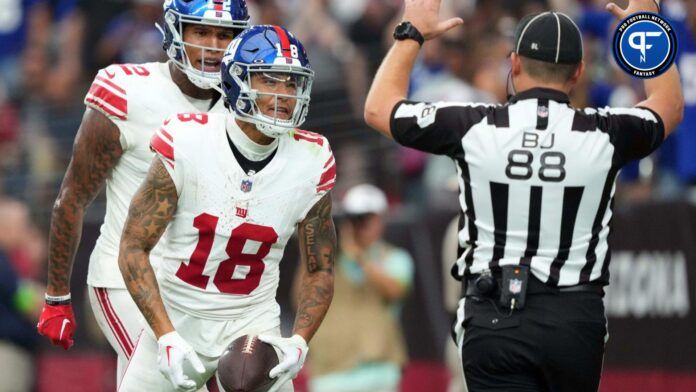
(192, 273)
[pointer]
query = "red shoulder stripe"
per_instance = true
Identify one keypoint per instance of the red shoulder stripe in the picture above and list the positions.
(162, 146)
(328, 179)
(166, 134)
(326, 187)
(108, 97)
(105, 107)
(111, 84)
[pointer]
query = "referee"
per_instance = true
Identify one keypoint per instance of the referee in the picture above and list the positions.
(536, 180)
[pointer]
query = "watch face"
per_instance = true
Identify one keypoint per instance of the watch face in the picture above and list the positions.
(402, 27)
(405, 30)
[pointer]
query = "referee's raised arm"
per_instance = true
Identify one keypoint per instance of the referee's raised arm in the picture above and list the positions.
(664, 93)
(390, 86)
(537, 179)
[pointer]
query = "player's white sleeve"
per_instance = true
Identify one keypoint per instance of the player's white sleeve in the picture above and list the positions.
(108, 95)
(324, 178)
(162, 143)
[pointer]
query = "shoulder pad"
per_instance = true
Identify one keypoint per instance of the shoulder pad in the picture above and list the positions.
(108, 92)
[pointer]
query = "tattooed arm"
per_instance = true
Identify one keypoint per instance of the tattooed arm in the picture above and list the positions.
(96, 151)
(318, 251)
(151, 210)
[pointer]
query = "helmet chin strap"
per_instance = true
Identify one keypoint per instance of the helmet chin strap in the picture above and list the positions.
(272, 131)
(199, 81)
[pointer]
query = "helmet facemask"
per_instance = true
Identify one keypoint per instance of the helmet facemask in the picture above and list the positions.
(175, 23)
(285, 85)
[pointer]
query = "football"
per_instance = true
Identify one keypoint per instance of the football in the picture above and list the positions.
(244, 366)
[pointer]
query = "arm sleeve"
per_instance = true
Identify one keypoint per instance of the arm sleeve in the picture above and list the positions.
(436, 128)
(162, 144)
(325, 178)
(634, 132)
(108, 95)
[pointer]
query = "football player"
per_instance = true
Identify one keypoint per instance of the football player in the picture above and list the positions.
(227, 192)
(126, 104)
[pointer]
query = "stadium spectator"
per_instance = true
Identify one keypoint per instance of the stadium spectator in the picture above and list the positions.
(132, 38)
(360, 347)
(20, 302)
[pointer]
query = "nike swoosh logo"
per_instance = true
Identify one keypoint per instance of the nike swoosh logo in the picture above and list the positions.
(62, 329)
(168, 348)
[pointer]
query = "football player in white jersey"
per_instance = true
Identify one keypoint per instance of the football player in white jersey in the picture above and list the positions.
(126, 104)
(228, 192)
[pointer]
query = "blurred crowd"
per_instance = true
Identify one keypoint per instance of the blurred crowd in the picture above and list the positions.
(51, 49)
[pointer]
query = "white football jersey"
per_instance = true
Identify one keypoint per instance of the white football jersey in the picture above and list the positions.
(136, 98)
(222, 250)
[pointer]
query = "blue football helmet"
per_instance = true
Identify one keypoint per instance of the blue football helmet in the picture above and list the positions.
(223, 13)
(273, 56)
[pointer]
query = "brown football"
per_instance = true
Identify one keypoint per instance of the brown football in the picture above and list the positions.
(244, 365)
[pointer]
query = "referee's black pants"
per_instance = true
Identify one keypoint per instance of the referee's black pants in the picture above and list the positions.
(556, 343)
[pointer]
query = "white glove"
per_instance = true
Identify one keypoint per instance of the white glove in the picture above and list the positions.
(294, 352)
(173, 351)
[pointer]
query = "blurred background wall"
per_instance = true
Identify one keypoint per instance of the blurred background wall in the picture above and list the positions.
(50, 51)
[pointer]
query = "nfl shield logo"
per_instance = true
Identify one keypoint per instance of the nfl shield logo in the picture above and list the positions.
(246, 185)
(515, 286)
(543, 111)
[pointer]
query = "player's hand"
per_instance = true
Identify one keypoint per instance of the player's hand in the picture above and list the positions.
(57, 322)
(294, 352)
(633, 7)
(425, 16)
(173, 351)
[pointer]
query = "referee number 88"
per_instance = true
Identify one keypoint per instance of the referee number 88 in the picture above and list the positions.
(520, 166)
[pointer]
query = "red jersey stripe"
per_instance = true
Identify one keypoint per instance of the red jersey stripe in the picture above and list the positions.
(111, 84)
(328, 175)
(162, 147)
(326, 187)
(166, 134)
(108, 109)
(107, 95)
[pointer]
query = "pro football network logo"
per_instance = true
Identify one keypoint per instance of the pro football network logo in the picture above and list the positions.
(645, 45)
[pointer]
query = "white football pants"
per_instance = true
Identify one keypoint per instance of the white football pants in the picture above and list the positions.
(119, 320)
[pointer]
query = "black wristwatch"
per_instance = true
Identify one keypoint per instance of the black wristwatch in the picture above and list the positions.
(405, 30)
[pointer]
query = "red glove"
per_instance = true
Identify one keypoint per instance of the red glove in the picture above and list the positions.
(57, 322)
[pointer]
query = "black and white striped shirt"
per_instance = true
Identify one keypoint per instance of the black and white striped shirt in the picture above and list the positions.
(536, 177)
